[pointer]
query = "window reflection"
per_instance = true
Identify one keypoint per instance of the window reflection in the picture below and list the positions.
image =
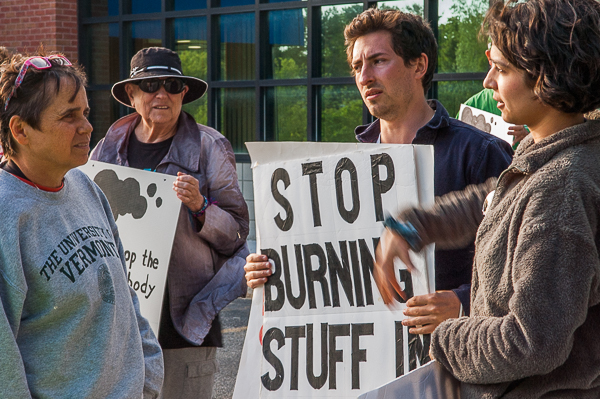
(341, 112)
(237, 111)
(102, 40)
(287, 42)
(333, 50)
(144, 6)
(460, 49)
(190, 44)
(179, 5)
(286, 113)
(412, 6)
(237, 47)
(144, 34)
(233, 3)
(452, 94)
(103, 112)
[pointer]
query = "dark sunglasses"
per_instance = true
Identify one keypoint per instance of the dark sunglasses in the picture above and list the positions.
(172, 85)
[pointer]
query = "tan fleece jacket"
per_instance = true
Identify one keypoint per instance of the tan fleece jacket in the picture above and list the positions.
(534, 330)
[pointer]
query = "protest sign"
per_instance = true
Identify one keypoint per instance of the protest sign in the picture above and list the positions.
(319, 327)
(146, 211)
(486, 121)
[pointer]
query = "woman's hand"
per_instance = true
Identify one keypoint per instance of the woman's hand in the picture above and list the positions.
(187, 189)
(391, 246)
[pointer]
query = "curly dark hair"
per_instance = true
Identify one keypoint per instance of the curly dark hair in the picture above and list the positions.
(556, 43)
(36, 92)
(411, 36)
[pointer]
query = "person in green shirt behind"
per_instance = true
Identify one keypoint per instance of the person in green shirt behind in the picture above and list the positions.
(484, 101)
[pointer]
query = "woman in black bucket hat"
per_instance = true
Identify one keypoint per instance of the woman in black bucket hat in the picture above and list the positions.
(209, 248)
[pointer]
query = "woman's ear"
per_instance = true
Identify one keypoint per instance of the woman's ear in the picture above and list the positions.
(19, 129)
(129, 89)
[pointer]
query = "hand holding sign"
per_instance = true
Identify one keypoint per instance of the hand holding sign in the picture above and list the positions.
(426, 312)
(257, 269)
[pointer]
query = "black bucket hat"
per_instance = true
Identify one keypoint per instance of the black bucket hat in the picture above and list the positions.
(158, 62)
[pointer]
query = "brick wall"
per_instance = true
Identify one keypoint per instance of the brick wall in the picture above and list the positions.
(24, 25)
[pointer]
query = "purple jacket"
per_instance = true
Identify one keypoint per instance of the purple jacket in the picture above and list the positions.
(206, 270)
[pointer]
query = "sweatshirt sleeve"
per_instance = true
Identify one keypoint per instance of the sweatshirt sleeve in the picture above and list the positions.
(555, 273)
(12, 297)
(453, 221)
(226, 224)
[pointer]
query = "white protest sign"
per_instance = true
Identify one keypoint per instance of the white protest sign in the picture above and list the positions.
(146, 211)
(319, 328)
(486, 121)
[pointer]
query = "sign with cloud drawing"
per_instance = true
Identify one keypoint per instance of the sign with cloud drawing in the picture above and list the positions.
(146, 210)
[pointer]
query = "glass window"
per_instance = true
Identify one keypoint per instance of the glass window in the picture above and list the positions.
(286, 118)
(333, 50)
(102, 42)
(341, 112)
(104, 110)
(460, 48)
(233, 3)
(452, 94)
(179, 5)
(412, 6)
(191, 45)
(144, 6)
(144, 34)
(287, 43)
(276, 1)
(236, 50)
(99, 8)
(237, 116)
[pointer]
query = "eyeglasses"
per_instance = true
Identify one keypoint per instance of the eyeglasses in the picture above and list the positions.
(172, 85)
(38, 63)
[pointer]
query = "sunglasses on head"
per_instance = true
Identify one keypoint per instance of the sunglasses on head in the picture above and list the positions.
(172, 85)
(38, 63)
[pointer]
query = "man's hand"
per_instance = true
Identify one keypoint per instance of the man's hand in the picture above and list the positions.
(390, 246)
(426, 312)
(518, 132)
(257, 269)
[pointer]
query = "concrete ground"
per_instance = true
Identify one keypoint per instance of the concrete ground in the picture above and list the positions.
(234, 321)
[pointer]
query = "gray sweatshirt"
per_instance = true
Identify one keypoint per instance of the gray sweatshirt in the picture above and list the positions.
(70, 325)
(535, 300)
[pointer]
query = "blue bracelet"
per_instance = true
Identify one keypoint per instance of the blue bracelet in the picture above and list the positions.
(203, 209)
(404, 230)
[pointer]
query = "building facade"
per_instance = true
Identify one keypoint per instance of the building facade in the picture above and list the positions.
(276, 70)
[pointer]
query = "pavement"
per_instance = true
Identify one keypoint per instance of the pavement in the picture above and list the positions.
(234, 322)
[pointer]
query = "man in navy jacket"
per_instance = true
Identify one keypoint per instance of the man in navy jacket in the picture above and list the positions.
(393, 57)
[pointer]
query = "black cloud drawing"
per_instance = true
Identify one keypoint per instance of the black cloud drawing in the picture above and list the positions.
(123, 195)
(477, 121)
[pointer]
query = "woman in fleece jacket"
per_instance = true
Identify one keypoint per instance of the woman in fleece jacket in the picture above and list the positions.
(535, 300)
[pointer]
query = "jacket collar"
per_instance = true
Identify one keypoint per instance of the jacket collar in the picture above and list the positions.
(184, 151)
(425, 135)
(531, 156)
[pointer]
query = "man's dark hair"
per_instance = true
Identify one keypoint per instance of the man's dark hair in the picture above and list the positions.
(411, 36)
(37, 91)
(556, 43)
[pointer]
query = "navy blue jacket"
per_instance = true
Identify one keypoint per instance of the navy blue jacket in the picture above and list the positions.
(463, 155)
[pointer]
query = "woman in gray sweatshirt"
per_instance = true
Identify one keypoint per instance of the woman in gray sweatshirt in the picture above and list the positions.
(70, 325)
(535, 299)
